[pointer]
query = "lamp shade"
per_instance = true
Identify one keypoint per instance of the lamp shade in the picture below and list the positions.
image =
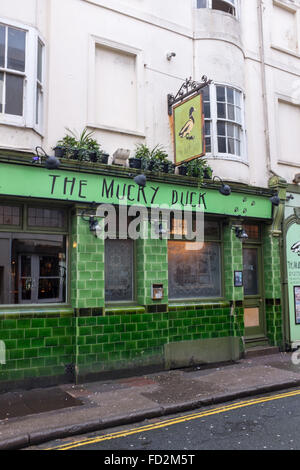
(140, 180)
(225, 190)
(275, 200)
(52, 163)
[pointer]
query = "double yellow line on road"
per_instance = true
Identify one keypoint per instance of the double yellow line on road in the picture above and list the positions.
(171, 422)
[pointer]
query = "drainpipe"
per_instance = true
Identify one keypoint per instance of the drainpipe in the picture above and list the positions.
(264, 86)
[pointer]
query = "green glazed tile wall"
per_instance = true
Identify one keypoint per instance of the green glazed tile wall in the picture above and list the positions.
(272, 285)
(37, 345)
(274, 323)
(87, 265)
(151, 267)
(233, 261)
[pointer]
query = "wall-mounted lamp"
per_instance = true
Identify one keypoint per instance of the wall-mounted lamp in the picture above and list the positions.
(240, 233)
(290, 197)
(140, 180)
(170, 55)
(51, 162)
(92, 220)
(275, 199)
(225, 189)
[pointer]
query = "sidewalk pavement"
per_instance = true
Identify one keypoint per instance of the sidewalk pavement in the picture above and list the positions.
(33, 417)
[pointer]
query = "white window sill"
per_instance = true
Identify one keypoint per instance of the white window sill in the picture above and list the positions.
(227, 157)
(21, 125)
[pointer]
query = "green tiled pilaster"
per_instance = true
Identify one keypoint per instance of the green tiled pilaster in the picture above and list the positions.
(233, 261)
(87, 264)
(152, 266)
(272, 284)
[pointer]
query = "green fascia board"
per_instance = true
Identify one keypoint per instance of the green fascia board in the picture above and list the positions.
(37, 182)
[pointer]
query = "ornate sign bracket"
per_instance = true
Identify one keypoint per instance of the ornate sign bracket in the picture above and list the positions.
(188, 88)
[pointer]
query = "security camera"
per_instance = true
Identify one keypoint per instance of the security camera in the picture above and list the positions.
(170, 55)
(296, 179)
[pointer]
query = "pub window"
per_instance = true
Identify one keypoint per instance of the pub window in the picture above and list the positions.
(119, 258)
(10, 215)
(33, 267)
(195, 271)
(39, 217)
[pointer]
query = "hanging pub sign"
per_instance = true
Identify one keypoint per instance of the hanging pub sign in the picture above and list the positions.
(189, 139)
(188, 120)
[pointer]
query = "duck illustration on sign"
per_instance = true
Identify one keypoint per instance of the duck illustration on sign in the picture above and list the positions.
(189, 129)
(186, 130)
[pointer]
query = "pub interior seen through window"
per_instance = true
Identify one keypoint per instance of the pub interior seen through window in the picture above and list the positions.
(32, 265)
(195, 269)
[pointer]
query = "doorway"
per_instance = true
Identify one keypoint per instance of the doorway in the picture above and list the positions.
(254, 311)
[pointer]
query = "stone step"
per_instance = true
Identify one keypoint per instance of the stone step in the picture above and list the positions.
(260, 351)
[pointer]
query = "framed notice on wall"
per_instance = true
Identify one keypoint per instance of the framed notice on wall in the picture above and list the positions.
(238, 278)
(189, 139)
(297, 304)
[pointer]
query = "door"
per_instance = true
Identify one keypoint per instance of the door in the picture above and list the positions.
(254, 315)
(41, 278)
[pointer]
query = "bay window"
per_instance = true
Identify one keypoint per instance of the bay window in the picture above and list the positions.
(228, 6)
(21, 76)
(224, 122)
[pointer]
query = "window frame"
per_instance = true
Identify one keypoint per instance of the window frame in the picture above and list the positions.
(23, 229)
(32, 39)
(214, 119)
(218, 240)
(133, 301)
(235, 4)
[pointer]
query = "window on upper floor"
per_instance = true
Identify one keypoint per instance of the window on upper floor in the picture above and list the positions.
(224, 123)
(21, 76)
(228, 6)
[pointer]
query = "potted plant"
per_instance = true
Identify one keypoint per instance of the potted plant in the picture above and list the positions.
(159, 161)
(65, 146)
(83, 147)
(183, 169)
(198, 168)
(141, 157)
(208, 173)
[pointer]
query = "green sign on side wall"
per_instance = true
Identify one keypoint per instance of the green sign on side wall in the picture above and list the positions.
(293, 270)
(64, 185)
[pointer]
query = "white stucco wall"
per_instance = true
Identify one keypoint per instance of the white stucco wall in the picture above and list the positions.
(213, 43)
